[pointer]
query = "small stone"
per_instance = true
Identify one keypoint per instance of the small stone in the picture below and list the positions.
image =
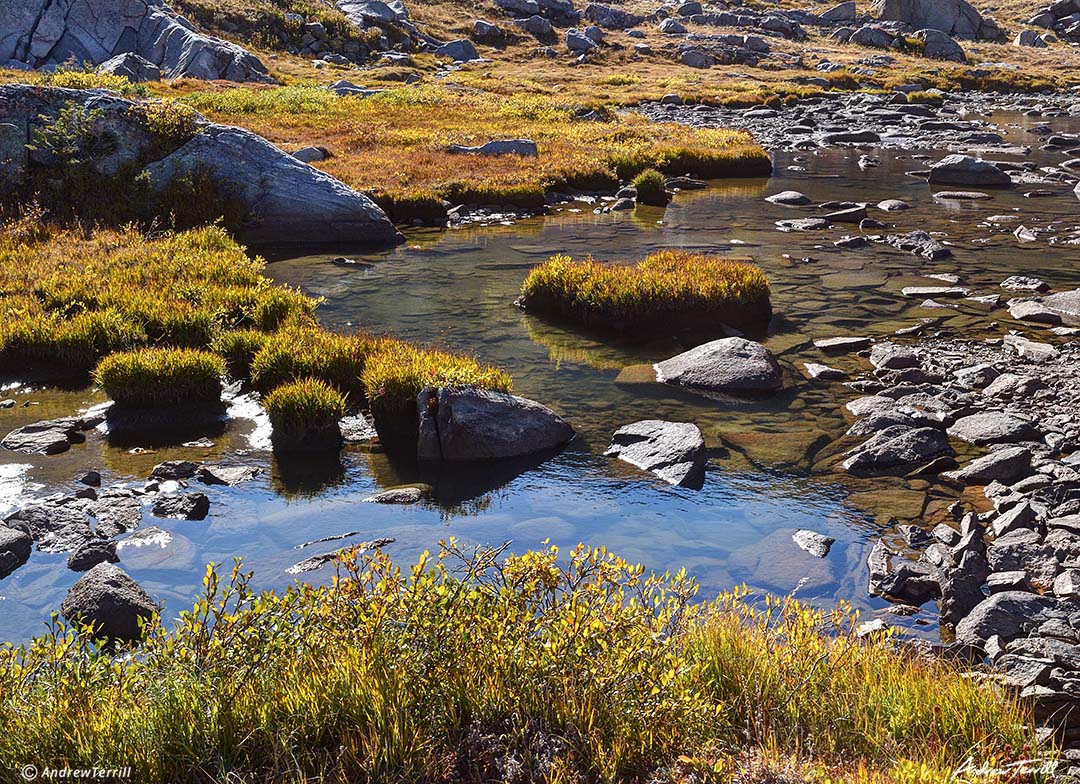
(818, 545)
(185, 506)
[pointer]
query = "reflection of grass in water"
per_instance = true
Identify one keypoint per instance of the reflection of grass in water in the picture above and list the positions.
(298, 477)
(566, 346)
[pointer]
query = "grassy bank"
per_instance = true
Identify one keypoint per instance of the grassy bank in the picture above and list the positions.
(669, 289)
(480, 667)
(397, 144)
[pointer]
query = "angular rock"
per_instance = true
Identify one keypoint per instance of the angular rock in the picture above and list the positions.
(898, 579)
(1002, 465)
(460, 51)
(174, 469)
(958, 169)
(132, 67)
(955, 17)
(727, 365)
(939, 46)
(57, 526)
(226, 475)
(108, 600)
(898, 448)
(184, 506)
(470, 425)
(91, 554)
(842, 345)
(15, 546)
(49, 437)
(674, 451)
(1009, 615)
(993, 427)
(818, 545)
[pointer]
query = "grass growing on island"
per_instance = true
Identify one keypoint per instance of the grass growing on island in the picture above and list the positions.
(396, 144)
(161, 377)
(651, 187)
(308, 351)
(299, 409)
(473, 665)
(670, 288)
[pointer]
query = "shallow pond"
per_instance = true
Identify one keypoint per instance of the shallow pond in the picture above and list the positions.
(456, 289)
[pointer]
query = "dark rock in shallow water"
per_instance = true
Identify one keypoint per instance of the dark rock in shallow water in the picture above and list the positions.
(49, 437)
(1003, 465)
(226, 475)
(411, 494)
(116, 511)
(898, 447)
(473, 425)
(966, 170)
(174, 469)
(57, 525)
(107, 599)
(898, 579)
(185, 506)
(15, 546)
(91, 554)
(674, 451)
(728, 365)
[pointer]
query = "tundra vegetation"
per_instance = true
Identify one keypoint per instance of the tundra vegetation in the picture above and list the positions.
(478, 665)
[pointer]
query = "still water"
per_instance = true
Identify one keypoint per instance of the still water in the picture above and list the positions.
(455, 289)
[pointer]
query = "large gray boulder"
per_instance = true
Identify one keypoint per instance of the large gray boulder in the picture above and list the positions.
(953, 17)
(15, 548)
(461, 425)
(1009, 615)
(674, 451)
(728, 365)
(53, 32)
(1066, 305)
(287, 202)
(993, 427)
(939, 46)
(110, 601)
(132, 67)
(898, 448)
(611, 18)
(959, 169)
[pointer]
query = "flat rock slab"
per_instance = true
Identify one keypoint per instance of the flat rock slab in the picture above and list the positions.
(728, 365)
(1066, 305)
(412, 494)
(803, 224)
(993, 427)
(842, 345)
(674, 451)
(946, 292)
(1003, 465)
(226, 475)
(823, 372)
(56, 526)
(49, 437)
(898, 447)
(818, 545)
(1031, 349)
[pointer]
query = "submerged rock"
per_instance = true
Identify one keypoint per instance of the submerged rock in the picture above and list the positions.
(107, 599)
(49, 437)
(56, 525)
(91, 554)
(728, 365)
(468, 424)
(674, 451)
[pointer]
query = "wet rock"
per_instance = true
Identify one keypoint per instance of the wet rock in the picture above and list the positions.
(411, 494)
(789, 199)
(898, 579)
(674, 451)
(116, 513)
(851, 137)
(1066, 305)
(898, 448)
(824, 372)
(1024, 283)
(920, 243)
(90, 478)
(728, 365)
(466, 425)
(842, 345)
(226, 475)
(184, 506)
(108, 600)
(893, 205)
(91, 554)
(1009, 615)
(56, 525)
(940, 292)
(993, 427)
(965, 170)
(850, 215)
(155, 548)
(803, 224)
(15, 546)
(174, 469)
(49, 437)
(1003, 465)
(818, 545)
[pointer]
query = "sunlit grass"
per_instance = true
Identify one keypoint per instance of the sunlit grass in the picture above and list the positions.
(562, 669)
(161, 377)
(308, 351)
(300, 408)
(669, 288)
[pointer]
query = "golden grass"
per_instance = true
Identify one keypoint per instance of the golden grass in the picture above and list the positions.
(299, 407)
(161, 377)
(398, 142)
(671, 289)
(476, 666)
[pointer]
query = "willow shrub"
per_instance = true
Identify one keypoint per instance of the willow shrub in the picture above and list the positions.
(478, 666)
(669, 289)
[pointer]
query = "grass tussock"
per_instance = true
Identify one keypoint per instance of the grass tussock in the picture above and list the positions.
(67, 299)
(673, 289)
(475, 666)
(161, 377)
(300, 408)
(308, 351)
(651, 188)
(396, 372)
(397, 143)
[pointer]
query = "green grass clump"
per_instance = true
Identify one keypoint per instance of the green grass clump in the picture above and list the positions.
(670, 289)
(89, 79)
(161, 377)
(651, 188)
(302, 409)
(573, 667)
(239, 349)
(307, 351)
(396, 372)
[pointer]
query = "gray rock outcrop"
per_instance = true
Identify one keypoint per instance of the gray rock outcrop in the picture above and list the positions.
(954, 17)
(54, 32)
(674, 451)
(474, 425)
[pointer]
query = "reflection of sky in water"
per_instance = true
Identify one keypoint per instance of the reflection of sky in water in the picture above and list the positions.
(455, 288)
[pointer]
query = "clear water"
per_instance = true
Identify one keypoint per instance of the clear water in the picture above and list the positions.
(455, 289)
